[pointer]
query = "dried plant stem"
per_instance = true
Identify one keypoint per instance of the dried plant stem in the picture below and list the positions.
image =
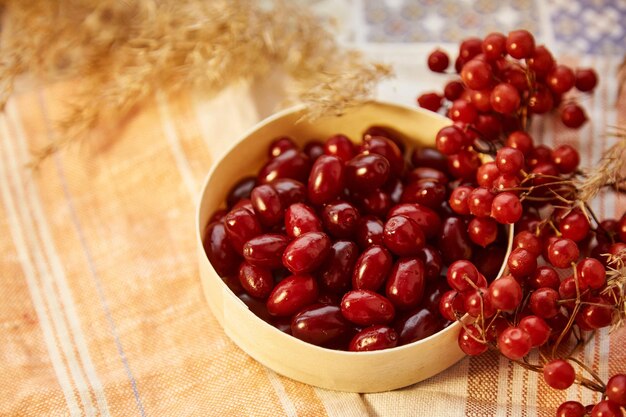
(123, 51)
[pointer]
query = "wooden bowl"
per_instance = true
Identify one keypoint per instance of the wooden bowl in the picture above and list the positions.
(331, 369)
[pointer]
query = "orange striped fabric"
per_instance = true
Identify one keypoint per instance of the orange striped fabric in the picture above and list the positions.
(102, 313)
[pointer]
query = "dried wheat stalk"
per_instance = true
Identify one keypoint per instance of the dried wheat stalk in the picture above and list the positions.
(123, 51)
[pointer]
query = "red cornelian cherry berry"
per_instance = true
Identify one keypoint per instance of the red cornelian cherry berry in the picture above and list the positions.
(314, 149)
(438, 61)
(240, 190)
(514, 343)
(369, 232)
(307, 252)
(520, 44)
(430, 101)
(403, 236)
(419, 324)
(566, 158)
(388, 149)
(506, 208)
(257, 281)
(267, 205)
(586, 79)
(454, 242)
(280, 145)
(559, 374)
(571, 409)
(494, 46)
(339, 146)
(471, 341)
(219, 250)
(509, 160)
(326, 180)
(291, 295)
(336, 273)
(561, 79)
(537, 329)
(340, 219)
(406, 283)
(428, 220)
(562, 252)
(289, 164)
(372, 268)
(366, 172)
(375, 337)
(319, 324)
(573, 116)
(300, 218)
(505, 293)
(366, 308)
(265, 250)
(616, 389)
(241, 225)
(505, 98)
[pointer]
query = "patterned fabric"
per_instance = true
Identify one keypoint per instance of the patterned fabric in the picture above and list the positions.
(102, 312)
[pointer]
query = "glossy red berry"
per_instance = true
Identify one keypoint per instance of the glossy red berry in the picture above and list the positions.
(571, 409)
(471, 341)
(586, 79)
(573, 116)
(291, 295)
(514, 343)
(509, 160)
(616, 389)
(505, 98)
(520, 44)
(562, 252)
(506, 208)
(326, 180)
(505, 293)
(365, 308)
(405, 285)
(307, 252)
(559, 374)
(438, 61)
(374, 338)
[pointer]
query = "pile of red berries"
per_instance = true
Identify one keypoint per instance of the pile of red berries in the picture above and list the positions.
(556, 288)
(344, 245)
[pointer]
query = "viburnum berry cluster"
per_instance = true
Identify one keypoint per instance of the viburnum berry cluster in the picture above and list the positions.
(565, 273)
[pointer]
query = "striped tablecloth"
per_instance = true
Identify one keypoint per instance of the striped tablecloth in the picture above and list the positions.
(102, 311)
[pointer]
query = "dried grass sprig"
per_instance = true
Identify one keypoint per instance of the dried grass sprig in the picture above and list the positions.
(611, 171)
(122, 52)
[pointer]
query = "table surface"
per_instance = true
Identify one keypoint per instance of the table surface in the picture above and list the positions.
(102, 311)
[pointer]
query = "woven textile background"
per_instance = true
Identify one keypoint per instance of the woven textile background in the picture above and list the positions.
(101, 309)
